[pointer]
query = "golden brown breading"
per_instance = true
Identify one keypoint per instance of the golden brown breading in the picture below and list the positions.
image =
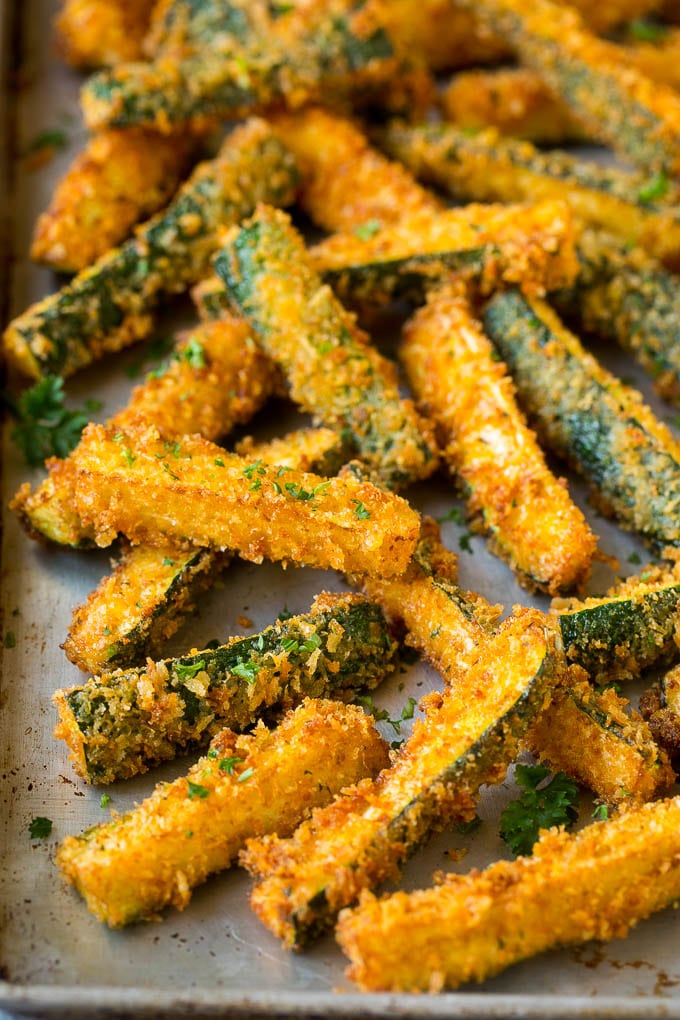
(135, 865)
(195, 493)
(97, 33)
(596, 884)
(512, 495)
(120, 178)
(345, 182)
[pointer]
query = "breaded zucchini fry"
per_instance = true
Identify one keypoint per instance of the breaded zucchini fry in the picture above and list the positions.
(331, 369)
(596, 884)
(468, 737)
(597, 423)
(486, 168)
(512, 496)
(183, 28)
(216, 379)
(626, 296)
(193, 492)
(514, 100)
(98, 33)
(615, 103)
(345, 184)
(532, 246)
(634, 628)
(109, 305)
(136, 608)
(660, 706)
(130, 868)
(589, 735)
(119, 724)
(120, 177)
(322, 48)
(448, 625)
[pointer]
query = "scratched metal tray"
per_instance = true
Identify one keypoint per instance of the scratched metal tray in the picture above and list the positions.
(215, 958)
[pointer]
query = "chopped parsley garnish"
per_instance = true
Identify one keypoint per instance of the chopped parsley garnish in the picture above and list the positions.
(284, 615)
(130, 457)
(365, 231)
(51, 138)
(382, 715)
(193, 354)
(465, 828)
(360, 510)
(647, 31)
(634, 559)
(455, 514)
(218, 462)
(10, 639)
(540, 806)
(196, 791)
(464, 542)
(601, 813)
(46, 428)
(227, 764)
(656, 188)
(298, 492)
(167, 562)
(245, 775)
(104, 800)
(256, 466)
(187, 670)
(40, 827)
(247, 671)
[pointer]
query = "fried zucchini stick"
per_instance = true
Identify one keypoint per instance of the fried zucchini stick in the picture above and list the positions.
(216, 379)
(634, 628)
(120, 724)
(589, 735)
(468, 737)
(532, 246)
(120, 177)
(132, 867)
(109, 305)
(322, 48)
(486, 168)
(615, 103)
(626, 296)
(345, 184)
(143, 601)
(512, 495)
(193, 492)
(99, 33)
(591, 419)
(596, 884)
(331, 369)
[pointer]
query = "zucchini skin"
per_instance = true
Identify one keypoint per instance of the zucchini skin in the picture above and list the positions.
(613, 101)
(511, 494)
(627, 297)
(599, 425)
(122, 723)
(473, 926)
(366, 834)
(134, 610)
(332, 371)
(193, 827)
(325, 46)
(487, 168)
(109, 305)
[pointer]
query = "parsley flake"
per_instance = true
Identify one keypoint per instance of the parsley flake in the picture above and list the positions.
(10, 639)
(647, 31)
(247, 671)
(360, 510)
(654, 189)
(634, 559)
(167, 562)
(601, 813)
(227, 764)
(45, 428)
(256, 466)
(104, 800)
(365, 231)
(540, 806)
(464, 542)
(196, 791)
(40, 828)
(187, 670)
(455, 514)
(193, 354)
(465, 828)
(51, 138)
(245, 775)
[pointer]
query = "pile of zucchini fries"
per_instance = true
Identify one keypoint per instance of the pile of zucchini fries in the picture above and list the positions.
(295, 783)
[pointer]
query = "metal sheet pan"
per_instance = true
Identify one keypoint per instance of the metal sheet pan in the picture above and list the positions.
(215, 958)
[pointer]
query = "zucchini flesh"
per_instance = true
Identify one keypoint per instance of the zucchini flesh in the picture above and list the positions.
(120, 724)
(613, 101)
(135, 609)
(590, 418)
(596, 884)
(487, 168)
(217, 378)
(468, 737)
(192, 491)
(589, 735)
(453, 370)
(109, 305)
(135, 865)
(323, 46)
(331, 369)
(627, 297)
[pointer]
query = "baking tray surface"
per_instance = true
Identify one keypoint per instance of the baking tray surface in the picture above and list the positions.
(215, 958)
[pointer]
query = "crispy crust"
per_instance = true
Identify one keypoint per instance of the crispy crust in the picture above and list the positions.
(134, 866)
(193, 492)
(120, 177)
(596, 884)
(98, 33)
(512, 495)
